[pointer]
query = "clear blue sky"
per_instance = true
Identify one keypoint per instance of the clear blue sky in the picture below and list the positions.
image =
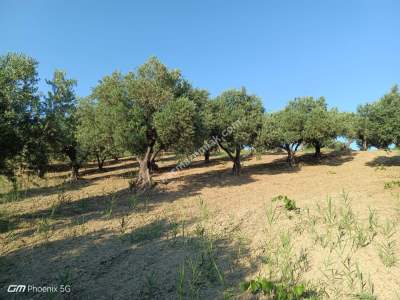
(347, 51)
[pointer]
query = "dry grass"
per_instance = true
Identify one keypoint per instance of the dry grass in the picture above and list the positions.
(205, 232)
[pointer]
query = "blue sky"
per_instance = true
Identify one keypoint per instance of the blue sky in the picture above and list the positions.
(345, 50)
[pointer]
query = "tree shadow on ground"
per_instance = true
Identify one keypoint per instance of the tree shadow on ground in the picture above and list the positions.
(386, 161)
(107, 169)
(192, 184)
(334, 158)
(44, 191)
(187, 185)
(107, 206)
(140, 263)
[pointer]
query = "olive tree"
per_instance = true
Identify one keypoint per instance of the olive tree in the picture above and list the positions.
(61, 121)
(385, 119)
(152, 94)
(378, 124)
(236, 120)
(99, 116)
(21, 124)
(282, 130)
(321, 125)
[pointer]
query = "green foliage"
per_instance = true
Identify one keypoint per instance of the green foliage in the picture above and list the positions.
(236, 120)
(61, 120)
(277, 290)
(392, 184)
(321, 125)
(176, 125)
(99, 117)
(20, 115)
(304, 120)
(233, 106)
(288, 203)
(283, 130)
(285, 270)
(378, 124)
(387, 247)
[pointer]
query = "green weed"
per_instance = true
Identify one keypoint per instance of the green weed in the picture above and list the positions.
(110, 206)
(272, 214)
(133, 201)
(148, 232)
(289, 204)
(387, 247)
(43, 227)
(275, 290)
(392, 184)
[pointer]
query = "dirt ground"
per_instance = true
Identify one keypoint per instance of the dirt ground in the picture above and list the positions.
(202, 232)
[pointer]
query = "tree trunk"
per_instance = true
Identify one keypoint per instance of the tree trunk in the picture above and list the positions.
(364, 144)
(207, 156)
(74, 172)
(153, 166)
(152, 162)
(235, 159)
(290, 158)
(144, 180)
(317, 150)
(236, 162)
(100, 162)
(70, 151)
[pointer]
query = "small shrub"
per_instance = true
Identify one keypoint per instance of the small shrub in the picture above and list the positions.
(276, 290)
(289, 204)
(392, 184)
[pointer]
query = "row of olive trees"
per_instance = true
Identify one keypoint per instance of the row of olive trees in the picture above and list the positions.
(34, 127)
(155, 109)
(378, 124)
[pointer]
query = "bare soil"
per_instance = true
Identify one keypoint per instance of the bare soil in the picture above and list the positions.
(108, 243)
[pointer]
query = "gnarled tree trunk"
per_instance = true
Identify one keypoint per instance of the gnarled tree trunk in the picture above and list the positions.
(236, 163)
(291, 159)
(236, 169)
(317, 146)
(144, 180)
(152, 162)
(72, 154)
(207, 156)
(75, 172)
